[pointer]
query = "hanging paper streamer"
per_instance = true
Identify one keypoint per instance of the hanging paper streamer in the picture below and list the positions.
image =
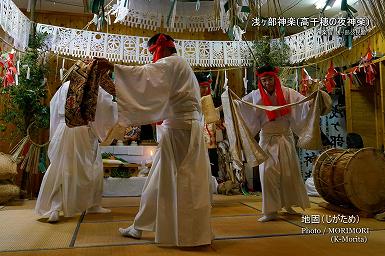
(370, 74)
(109, 19)
(18, 71)
(171, 15)
(18, 66)
(28, 72)
(61, 71)
(330, 84)
(305, 81)
(29, 6)
(198, 5)
(16, 79)
(7, 69)
(226, 81)
(95, 19)
(61, 74)
(245, 81)
(120, 10)
(97, 8)
(238, 33)
(369, 70)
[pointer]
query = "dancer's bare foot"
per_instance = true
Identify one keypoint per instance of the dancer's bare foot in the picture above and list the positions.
(131, 232)
(98, 209)
(54, 217)
(268, 217)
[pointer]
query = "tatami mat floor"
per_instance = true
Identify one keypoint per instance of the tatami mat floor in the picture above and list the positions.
(234, 223)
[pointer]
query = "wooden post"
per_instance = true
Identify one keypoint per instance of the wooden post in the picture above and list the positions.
(348, 106)
(382, 103)
(33, 18)
(377, 109)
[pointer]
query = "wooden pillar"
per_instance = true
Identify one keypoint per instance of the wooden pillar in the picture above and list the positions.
(235, 77)
(381, 109)
(33, 18)
(348, 106)
(362, 112)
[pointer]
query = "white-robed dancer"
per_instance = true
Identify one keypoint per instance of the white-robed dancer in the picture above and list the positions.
(175, 201)
(282, 184)
(73, 182)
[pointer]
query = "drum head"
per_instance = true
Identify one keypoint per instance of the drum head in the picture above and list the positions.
(365, 180)
(322, 180)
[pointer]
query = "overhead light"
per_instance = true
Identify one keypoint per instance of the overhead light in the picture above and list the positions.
(331, 4)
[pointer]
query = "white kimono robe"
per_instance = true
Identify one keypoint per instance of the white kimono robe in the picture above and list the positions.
(282, 184)
(175, 201)
(74, 179)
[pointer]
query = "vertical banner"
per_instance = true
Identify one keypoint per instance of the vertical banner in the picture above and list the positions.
(333, 126)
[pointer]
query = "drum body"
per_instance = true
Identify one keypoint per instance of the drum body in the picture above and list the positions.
(353, 177)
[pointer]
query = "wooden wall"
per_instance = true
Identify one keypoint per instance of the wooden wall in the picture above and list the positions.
(365, 113)
(5, 143)
(364, 105)
(361, 113)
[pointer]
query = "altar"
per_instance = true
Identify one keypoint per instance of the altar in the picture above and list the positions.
(129, 182)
